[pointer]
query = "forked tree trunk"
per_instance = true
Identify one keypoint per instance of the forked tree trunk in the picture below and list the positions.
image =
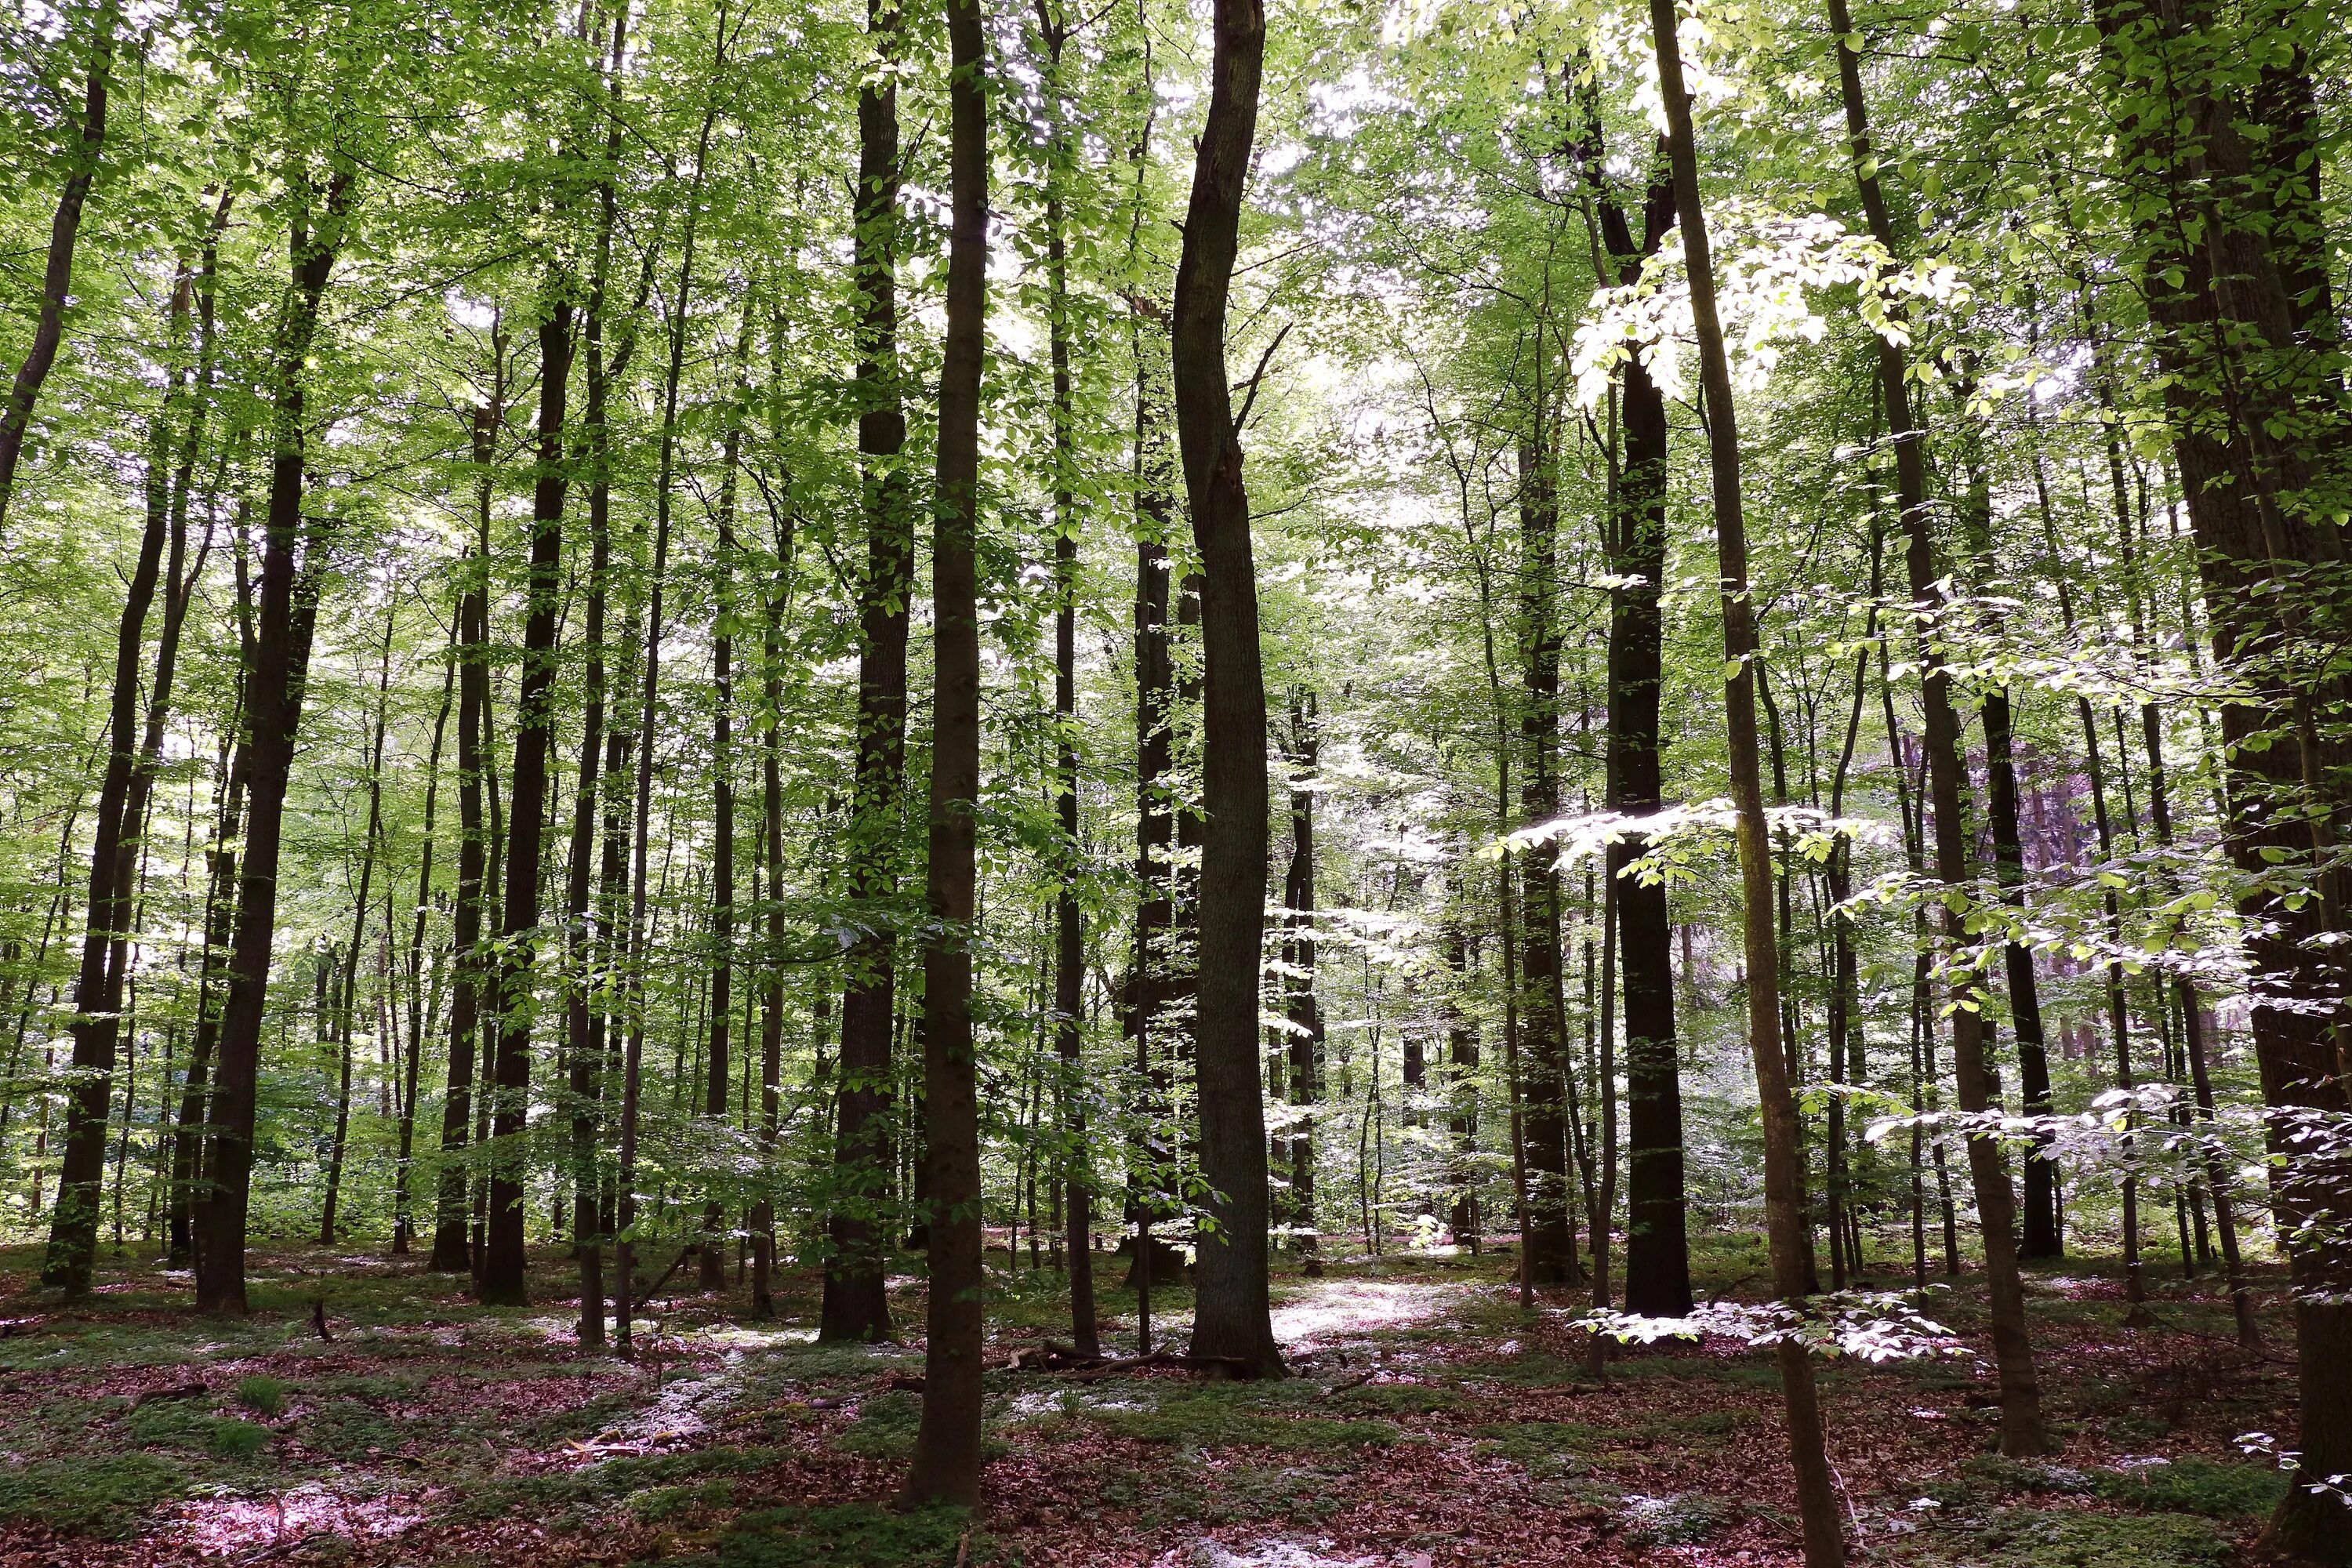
(946, 1467)
(1233, 1316)
(1824, 1539)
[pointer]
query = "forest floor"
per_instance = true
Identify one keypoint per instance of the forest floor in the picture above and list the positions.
(1431, 1423)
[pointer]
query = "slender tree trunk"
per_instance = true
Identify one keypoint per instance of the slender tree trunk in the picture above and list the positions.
(1069, 945)
(347, 994)
(57, 279)
(771, 984)
(422, 1016)
(712, 1270)
(1549, 1244)
(1232, 1313)
(946, 1467)
(2020, 1395)
(1303, 1011)
(1462, 1088)
(857, 1304)
(291, 580)
(1824, 1541)
(501, 1279)
(453, 1250)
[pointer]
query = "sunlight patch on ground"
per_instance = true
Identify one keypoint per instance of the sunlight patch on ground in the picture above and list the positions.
(1339, 1308)
(1280, 1554)
(225, 1526)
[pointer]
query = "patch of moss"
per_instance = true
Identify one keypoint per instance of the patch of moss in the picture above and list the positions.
(885, 1427)
(552, 1493)
(1685, 1521)
(851, 1535)
(1210, 1420)
(102, 1496)
(347, 1429)
(2183, 1486)
(1402, 1398)
(669, 1502)
(2036, 1538)
(1188, 1491)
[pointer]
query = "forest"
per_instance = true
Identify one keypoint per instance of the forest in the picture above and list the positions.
(1340, 784)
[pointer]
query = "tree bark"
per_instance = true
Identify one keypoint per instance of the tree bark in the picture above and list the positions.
(2021, 1396)
(290, 578)
(57, 279)
(946, 1467)
(857, 1304)
(1657, 1245)
(1824, 1540)
(1232, 1315)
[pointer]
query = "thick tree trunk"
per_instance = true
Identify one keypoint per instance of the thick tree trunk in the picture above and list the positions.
(57, 279)
(1824, 1540)
(289, 609)
(2246, 385)
(856, 1303)
(946, 1467)
(1657, 1246)
(1232, 1314)
(2021, 1396)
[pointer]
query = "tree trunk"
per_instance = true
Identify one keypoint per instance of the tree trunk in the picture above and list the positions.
(346, 997)
(1657, 1246)
(2021, 1396)
(946, 1467)
(1232, 1314)
(856, 1303)
(1303, 1011)
(291, 579)
(57, 279)
(1824, 1540)
(1550, 1243)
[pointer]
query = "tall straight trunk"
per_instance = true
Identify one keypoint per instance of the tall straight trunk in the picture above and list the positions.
(946, 1467)
(2040, 1239)
(2022, 1433)
(453, 1251)
(501, 1279)
(347, 988)
(585, 936)
(1232, 1315)
(771, 981)
(711, 1271)
(1549, 1244)
(1155, 816)
(1069, 926)
(291, 580)
(2222, 252)
(1657, 1245)
(640, 936)
(421, 1015)
(56, 278)
(1301, 1009)
(1824, 1540)
(1462, 1088)
(857, 1304)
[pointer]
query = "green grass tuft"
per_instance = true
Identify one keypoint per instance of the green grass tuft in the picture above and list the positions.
(263, 1395)
(238, 1440)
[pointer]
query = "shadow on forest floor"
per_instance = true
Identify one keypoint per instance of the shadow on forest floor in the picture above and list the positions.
(1432, 1422)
